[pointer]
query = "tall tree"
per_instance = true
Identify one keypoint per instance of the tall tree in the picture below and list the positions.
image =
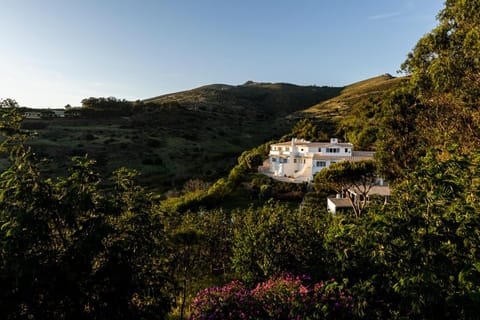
(445, 75)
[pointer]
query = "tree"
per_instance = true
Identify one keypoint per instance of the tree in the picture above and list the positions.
(274, 239)
(308, 130)
(110, 106)
(446, 59)
(428, 246)
(186, 260)
(444, 74)
(346, 175)
(8, 103)
(69, 249)
(402, 143)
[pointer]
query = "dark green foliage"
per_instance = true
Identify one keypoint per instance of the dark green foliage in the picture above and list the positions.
(201, 252)
(446, 59)
(248, 162)
(71, 250)
(401, 144)
(274, 238)
(437, 215)
(444, 82)
(361, 125)
(111, 107)
(307, 129)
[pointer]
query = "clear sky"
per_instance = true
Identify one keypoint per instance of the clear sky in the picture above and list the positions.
(57, 52)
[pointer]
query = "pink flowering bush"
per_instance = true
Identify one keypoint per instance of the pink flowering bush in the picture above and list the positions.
(282, 297)
(228, 302)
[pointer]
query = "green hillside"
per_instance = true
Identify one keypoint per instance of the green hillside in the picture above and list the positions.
(351, 95)
(173, 138)
(259, 98)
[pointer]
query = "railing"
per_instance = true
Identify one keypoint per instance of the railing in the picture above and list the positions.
(279, 153)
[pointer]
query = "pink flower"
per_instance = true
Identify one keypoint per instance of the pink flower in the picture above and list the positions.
(303, 290)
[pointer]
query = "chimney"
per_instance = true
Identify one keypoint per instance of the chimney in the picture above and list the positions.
(333, 140)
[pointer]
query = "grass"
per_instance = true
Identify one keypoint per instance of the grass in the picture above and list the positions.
(339, 106)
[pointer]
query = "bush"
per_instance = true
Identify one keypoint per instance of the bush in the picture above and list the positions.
(281, 297)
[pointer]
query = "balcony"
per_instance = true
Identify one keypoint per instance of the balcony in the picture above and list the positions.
(279, 153)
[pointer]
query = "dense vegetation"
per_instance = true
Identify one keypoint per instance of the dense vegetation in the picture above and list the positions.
(248, 247)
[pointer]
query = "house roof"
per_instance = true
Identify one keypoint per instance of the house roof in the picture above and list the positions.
(304, 143)
(364, 154)
(374, 190)
(329, 144)
(356, 156)
(340, 202)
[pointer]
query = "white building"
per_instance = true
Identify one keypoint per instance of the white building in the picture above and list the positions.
(299, 160)
(339, 202)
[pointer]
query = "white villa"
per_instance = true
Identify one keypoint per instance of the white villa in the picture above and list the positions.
(299, 160)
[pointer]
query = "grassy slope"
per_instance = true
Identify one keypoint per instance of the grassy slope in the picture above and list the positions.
(342, 105)
(173, 138)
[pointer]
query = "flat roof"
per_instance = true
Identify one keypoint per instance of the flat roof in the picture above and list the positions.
(375, 190)
(352, 158)
(315, 144)
(340, 202)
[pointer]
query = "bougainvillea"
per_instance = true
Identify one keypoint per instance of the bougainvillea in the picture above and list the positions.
(282, 297)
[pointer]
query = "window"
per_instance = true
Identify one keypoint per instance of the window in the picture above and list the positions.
(294, 160)
(301, 149)
(346, 150)
(274, 159)
(333, 150)
(321, 164)
(319, 149)
(287, 149)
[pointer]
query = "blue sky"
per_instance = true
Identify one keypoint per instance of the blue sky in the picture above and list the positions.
(57, 52)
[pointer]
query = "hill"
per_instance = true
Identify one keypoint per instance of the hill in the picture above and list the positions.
(173, 138)
(351, 95)
(260, 98)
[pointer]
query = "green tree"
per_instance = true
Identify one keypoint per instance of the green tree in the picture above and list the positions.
(69, 249)
(344, 176)
(186, 260)
(200, 254)
(308, 130)
(429, 244)
(445, 60)
(444, 73)
(8, 103)
(274, 239)
(401, 143)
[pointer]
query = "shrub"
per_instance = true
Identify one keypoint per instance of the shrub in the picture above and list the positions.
(281, 297)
